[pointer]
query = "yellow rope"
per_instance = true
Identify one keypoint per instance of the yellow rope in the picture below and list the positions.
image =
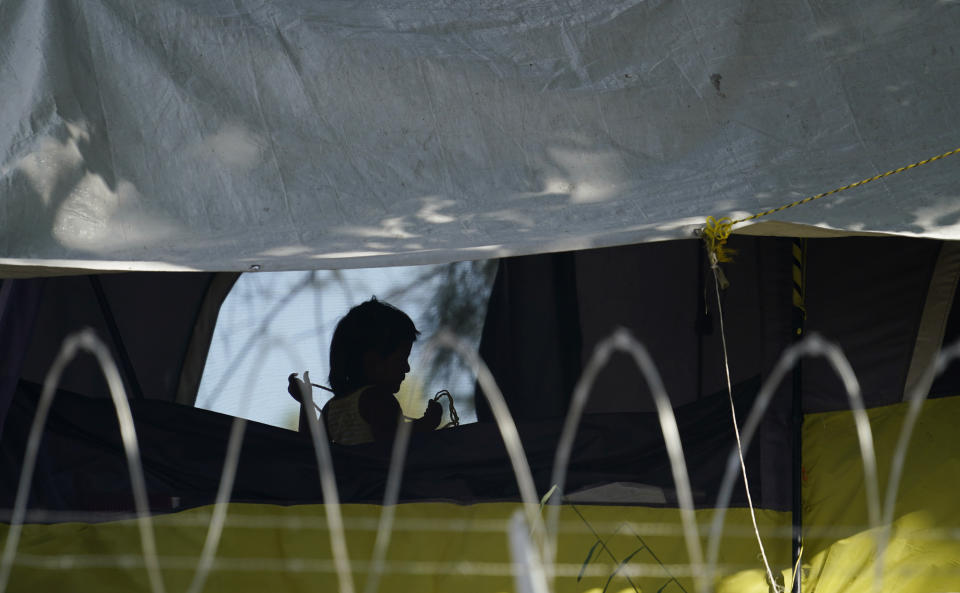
(716, 232)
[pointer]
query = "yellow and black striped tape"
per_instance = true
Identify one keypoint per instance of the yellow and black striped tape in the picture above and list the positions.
(799, 283)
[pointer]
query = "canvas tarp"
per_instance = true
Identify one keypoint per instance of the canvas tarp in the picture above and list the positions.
(293, 134)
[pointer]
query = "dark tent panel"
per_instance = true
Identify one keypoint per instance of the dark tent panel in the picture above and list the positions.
(149, 320)
(868, 295)
(19, 300)
(865, 293)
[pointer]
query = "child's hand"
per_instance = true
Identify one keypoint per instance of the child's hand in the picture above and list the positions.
(293, 387)
(434, 413)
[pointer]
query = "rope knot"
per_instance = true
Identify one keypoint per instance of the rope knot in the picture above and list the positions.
(715, 234)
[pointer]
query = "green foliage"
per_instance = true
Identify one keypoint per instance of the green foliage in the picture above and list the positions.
(459, 304)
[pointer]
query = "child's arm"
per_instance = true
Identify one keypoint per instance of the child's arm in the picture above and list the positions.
(381, 411)
(431, 418)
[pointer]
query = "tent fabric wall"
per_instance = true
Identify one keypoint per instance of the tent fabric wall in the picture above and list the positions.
(657, 291)
(18, 310)
(935, 320)
(155, 318)
(867, 294)
(531, 336)
(289, 134)
(945, 384)
(82, 466)
(205, 322)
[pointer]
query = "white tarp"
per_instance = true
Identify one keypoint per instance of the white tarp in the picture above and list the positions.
(221, 135)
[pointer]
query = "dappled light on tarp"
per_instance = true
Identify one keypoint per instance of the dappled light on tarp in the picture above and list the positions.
(74, 203)
(133, 141)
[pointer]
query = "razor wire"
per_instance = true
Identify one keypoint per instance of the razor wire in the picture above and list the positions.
(215, 521)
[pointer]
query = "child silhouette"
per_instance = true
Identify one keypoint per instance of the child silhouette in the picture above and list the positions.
(368, 362)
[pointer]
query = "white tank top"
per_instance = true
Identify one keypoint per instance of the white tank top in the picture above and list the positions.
(344, 423)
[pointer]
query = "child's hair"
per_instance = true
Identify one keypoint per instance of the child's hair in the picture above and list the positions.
(371, 325)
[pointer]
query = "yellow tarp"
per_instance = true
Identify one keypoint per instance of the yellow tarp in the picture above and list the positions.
(434, 547)
(924, 551)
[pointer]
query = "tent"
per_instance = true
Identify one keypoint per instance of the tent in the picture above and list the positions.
(150, 153)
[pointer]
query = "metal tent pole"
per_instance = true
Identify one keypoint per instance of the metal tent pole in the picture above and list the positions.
(796, 416)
